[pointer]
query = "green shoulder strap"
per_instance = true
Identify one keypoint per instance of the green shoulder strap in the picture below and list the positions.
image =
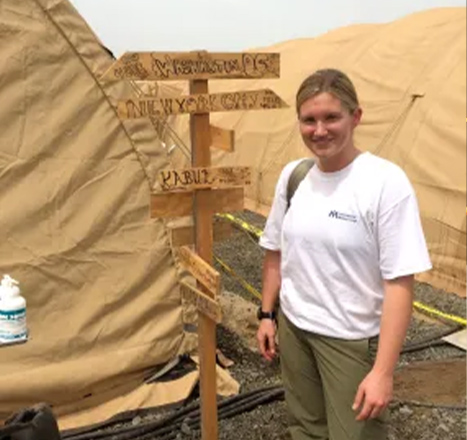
(298, 174)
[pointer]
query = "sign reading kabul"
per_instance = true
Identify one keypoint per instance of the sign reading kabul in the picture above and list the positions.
(199, 104)
(203, 178)
(159, 66)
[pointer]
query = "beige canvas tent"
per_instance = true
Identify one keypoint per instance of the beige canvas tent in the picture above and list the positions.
(411, 77)
(98, 274)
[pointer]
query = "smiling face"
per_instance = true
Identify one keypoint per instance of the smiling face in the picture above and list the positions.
(327, 129)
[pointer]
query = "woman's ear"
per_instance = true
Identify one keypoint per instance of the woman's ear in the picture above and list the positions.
(357, 117)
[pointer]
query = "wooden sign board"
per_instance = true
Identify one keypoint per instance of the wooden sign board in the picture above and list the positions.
(157, 66)
(205, 305)
(185, 235)
(203, 178)
(181, 204)
(222, 139)
(201, 270)
(199, 104)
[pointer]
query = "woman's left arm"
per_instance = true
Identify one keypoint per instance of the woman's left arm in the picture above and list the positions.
(375, 392)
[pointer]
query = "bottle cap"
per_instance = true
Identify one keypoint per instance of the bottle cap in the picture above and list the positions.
(8, 286)
(9, 282)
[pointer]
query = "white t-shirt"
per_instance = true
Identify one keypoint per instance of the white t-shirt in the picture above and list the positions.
(343, 234)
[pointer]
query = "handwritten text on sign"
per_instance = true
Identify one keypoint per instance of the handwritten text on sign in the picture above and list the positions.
(201, 270)
(194, 65)
(201, 178)
(205, 305)
(199, 104)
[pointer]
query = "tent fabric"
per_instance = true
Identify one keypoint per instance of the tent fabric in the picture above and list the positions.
(411, 78)
(98, 274)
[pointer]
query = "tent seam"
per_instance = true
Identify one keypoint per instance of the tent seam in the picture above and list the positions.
(48, 14)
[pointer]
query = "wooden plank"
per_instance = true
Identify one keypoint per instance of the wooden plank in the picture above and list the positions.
(185, 235)
(199, 104)
(204, 178)
(458, 339)
(222, 139)
(181, 204)
(205, 305)
(160, 66)
(201, 270)
(171, 205)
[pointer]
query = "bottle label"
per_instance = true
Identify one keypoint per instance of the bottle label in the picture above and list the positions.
(13, 325)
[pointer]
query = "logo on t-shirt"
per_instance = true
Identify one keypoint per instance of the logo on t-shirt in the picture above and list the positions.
(341, 216)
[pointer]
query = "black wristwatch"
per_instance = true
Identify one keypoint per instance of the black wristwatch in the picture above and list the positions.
(266, 315)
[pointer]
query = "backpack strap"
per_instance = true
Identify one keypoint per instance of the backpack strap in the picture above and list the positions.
(298, 174)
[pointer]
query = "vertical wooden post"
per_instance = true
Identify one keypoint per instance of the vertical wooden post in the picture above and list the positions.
(201, 157)
(206, 202)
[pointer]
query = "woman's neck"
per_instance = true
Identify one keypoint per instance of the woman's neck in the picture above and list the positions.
(338, 162)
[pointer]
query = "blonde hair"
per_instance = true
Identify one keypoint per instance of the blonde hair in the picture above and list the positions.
(331, 81)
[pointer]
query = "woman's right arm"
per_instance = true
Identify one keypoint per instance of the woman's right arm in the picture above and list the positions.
(270, 294)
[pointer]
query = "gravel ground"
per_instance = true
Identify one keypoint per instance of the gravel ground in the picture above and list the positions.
(408, 421)
(422, 418)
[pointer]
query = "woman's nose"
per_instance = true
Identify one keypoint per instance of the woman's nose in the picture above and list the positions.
(321, 129)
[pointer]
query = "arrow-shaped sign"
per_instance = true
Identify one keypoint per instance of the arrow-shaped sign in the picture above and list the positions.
(198, 104)
(158, 66)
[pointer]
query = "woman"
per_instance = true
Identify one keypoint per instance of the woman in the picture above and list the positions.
(343, 256)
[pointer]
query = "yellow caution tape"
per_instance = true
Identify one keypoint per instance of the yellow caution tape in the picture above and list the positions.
(439, 314)
(230, 271)
(258, 232)
(244, 225)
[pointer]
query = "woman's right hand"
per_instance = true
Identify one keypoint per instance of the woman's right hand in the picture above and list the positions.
(267, 339)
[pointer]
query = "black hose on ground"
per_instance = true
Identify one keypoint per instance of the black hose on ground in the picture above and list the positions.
(191, 414)
(433, 341)
(225, 413)
(82, 433)
(164, 426)
(423, 345)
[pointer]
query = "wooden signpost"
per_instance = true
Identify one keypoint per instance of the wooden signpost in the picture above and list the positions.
(199, 104)
(204, 303)
(222, 139)
(185, 235)
(155, 66)
(200, 191)
(204, 178)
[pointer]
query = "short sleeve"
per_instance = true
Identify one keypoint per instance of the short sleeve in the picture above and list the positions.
(402, 244)
(271, 237)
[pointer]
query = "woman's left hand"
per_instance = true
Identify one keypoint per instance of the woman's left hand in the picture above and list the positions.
(373, 395)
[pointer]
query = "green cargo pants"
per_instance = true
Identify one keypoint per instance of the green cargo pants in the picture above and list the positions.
(321, 376)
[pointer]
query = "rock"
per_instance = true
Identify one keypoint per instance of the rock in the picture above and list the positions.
(443, 427)
(405, 410)
(185, 428)
(136, 421)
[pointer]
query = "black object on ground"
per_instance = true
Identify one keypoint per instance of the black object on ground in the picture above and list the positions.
(35, 423)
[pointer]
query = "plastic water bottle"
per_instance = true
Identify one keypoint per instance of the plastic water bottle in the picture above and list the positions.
(13, 327)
